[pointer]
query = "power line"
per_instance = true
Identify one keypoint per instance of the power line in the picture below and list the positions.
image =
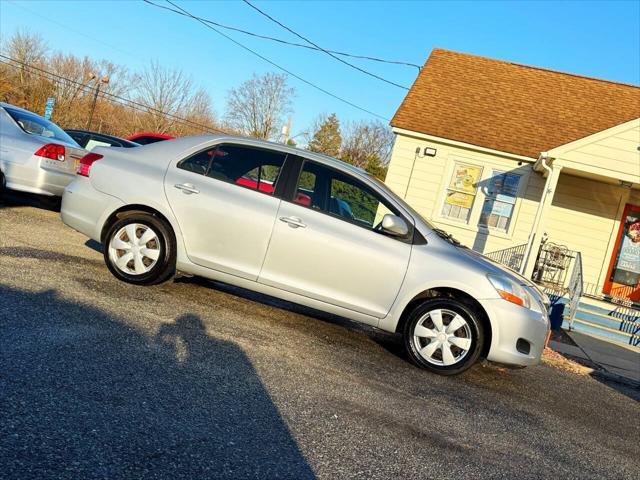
(77, 32)
(118, 99)
(289, 72)
(355, 67)
(286, 42)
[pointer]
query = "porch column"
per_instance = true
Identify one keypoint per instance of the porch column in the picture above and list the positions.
(543, 210)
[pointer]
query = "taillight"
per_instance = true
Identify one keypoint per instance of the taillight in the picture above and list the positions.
(52, 151)
(86, 162)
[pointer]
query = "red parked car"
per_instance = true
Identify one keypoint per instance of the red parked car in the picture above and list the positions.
(145, 138)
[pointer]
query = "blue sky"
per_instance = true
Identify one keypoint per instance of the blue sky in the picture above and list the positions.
(599, 39)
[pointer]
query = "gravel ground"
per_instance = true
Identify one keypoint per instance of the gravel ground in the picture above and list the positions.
(193, 379)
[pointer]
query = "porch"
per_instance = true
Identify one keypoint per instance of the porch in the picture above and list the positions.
(584, 245)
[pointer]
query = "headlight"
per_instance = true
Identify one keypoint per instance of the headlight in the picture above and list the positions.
(511, 291)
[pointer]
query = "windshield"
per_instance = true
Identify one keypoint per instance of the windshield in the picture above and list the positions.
(36, 125)
(438, 231)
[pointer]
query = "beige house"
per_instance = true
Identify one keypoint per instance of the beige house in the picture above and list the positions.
(506, 156)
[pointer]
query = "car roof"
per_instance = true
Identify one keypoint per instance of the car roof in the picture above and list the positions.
(106, 135)
(164, 136)
(185, 143)
(8, 105)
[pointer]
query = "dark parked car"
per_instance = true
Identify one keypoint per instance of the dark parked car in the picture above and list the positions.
(88, 139)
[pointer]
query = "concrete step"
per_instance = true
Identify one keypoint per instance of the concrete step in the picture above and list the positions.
(602, 319)
(602, 332)
(614, 323)
(611, 310)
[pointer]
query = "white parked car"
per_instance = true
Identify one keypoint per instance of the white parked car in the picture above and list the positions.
(305, 228)
(36, 155)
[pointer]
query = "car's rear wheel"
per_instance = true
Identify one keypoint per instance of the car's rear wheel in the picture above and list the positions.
(139, 248)
(444, 335)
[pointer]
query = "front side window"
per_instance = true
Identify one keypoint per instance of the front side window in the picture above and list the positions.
(461, 191)
(499, 203)
(339, 195)
(251, 168)
(36, 125)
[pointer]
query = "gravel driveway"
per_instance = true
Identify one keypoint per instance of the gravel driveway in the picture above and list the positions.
(193, 379)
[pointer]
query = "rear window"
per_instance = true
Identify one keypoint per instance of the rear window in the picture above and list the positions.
(36, 125)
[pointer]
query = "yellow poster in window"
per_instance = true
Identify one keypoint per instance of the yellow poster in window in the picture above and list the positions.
(460, 199)
(465, 178)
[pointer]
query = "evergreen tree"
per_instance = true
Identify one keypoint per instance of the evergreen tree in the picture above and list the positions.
(327, 138)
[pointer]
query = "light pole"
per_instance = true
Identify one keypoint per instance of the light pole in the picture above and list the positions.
(104, 80)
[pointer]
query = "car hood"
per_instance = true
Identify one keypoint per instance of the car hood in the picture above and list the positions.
(496, 268)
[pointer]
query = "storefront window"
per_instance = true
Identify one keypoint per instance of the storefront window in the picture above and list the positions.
(626, 270)
(461, 192)
(500, 200)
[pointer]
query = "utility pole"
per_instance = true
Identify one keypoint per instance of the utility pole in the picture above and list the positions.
(286, 131)
(103, 80)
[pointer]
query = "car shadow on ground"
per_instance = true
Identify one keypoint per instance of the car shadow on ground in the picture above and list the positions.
(268, 300)
(13, 198)
(86, 395)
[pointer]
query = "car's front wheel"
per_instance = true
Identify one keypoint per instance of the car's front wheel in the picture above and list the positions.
(139, 248)
(444, 335)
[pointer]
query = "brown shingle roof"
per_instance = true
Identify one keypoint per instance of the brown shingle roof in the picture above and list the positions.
(510, 107)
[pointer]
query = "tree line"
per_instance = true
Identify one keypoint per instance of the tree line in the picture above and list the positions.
(166, 100)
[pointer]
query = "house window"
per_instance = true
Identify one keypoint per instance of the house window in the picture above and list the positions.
(461, 192)
(500, 201)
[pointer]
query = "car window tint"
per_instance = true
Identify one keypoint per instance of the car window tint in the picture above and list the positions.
(36, 125)
(251, 168)
(80, 138)
(332, 192)
(198, 163)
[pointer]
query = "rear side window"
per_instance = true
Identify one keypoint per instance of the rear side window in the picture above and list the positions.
(36, 125)
(100, 141)
(251, 168)
(80, 138)
(339, 195)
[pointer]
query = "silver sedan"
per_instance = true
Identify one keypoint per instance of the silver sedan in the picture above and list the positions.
(308, 229)
(36, 155)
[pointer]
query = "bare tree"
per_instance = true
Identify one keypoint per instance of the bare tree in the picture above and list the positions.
(19, 85)
(364, 142)
(170, 91)
(26, 47)
(258, 107)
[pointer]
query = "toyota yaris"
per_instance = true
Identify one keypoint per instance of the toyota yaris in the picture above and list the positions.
(308, 229)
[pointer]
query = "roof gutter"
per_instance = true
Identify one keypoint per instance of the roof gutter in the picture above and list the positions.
(544, 162)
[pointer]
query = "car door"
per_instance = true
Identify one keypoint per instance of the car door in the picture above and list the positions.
(325, 244)
(224, 199)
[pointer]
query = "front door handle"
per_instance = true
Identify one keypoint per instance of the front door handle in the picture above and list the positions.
(293, 222)
(186, 188)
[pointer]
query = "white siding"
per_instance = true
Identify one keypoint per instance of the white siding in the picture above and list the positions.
(431, 175)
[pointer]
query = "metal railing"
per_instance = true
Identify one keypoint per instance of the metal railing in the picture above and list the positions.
(509, 257)
(575, 288)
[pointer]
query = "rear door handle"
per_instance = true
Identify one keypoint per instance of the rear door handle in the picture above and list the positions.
(293, 222)
(186, 188)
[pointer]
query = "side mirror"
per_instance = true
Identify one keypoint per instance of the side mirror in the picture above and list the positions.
(394, 225)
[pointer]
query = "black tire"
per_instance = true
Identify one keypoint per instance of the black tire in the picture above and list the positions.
(165, 266)
(475, 332)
